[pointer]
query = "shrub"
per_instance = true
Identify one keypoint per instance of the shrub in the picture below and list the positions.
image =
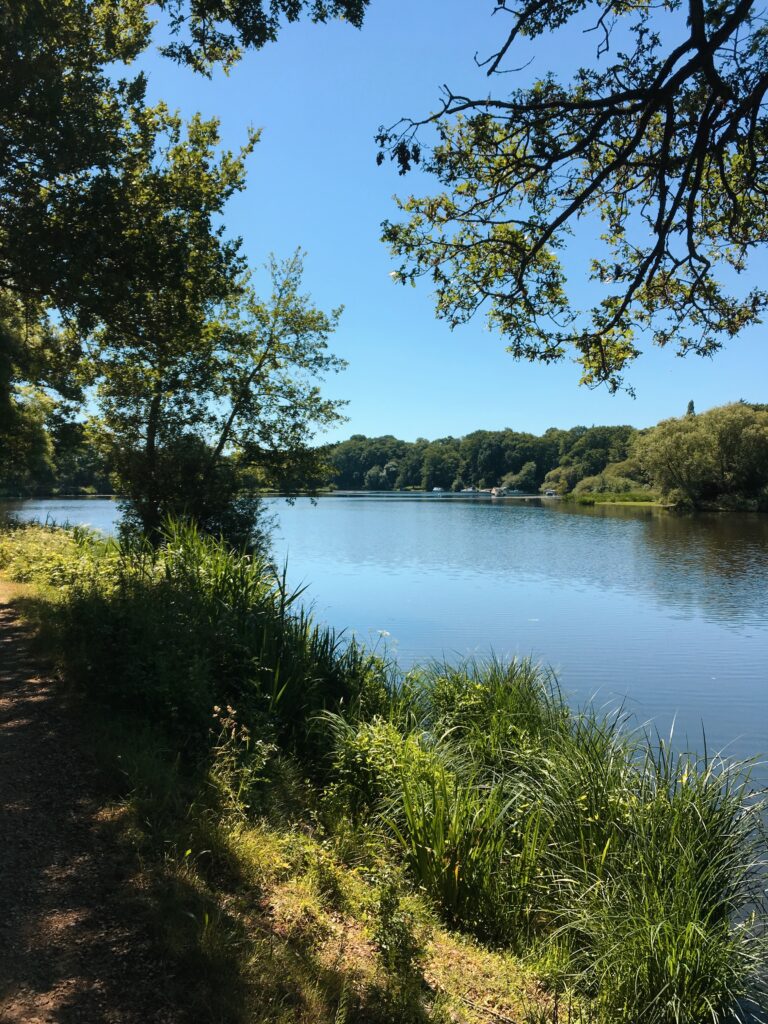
(609, 484)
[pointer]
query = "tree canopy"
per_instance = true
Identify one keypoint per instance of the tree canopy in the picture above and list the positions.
(187, 413)
(719, 455)
(73, 117)
(117, 273)
(662, 138)
(207, 32)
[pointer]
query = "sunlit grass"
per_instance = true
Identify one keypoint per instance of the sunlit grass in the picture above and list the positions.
(279, 778)
(567, 833)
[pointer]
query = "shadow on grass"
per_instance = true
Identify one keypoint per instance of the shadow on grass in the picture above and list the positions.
(74, 939)
(113, 898)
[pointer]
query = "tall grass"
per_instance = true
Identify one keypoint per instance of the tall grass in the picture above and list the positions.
(639, 871)
(635, 872)
(170, 631)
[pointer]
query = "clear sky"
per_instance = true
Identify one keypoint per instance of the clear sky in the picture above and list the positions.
(319, 94)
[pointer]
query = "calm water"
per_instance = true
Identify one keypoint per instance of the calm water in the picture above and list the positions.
(667, 614)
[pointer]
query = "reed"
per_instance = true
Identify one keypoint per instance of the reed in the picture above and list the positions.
(638, 870)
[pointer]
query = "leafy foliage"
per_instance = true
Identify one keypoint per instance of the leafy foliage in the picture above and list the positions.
(661, 138)
(26, 456)
(719, 455)
(209, 32)
(65, 124)
(195, 397)
(74, 126)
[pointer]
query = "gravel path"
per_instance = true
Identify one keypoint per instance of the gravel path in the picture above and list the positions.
(72, 945)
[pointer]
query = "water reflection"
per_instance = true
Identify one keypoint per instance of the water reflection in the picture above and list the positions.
(704, 563)
(667, 614)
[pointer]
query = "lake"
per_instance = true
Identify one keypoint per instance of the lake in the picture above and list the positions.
(665, 614)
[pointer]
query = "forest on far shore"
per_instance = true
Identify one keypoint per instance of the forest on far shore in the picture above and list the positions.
(720, 456)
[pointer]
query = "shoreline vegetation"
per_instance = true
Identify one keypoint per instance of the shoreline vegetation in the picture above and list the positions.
(320, 837)
(630, 500)
(716, 460)
(324, 839)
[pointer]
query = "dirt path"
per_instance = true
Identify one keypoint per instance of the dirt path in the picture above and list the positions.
(72, 948)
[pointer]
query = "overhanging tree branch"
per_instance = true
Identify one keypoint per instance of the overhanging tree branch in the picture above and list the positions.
(668, 148)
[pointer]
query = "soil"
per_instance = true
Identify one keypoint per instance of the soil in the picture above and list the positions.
(73, 944)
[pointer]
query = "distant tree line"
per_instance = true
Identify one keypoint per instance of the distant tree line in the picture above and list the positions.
(484, 458)
(718, 456)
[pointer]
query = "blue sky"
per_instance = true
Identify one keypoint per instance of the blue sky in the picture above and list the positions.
(319, 94)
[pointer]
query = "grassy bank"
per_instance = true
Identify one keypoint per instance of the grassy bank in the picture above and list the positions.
(646, 498)
(324, 839)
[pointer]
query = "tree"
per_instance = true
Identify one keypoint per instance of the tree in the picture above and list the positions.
(26, 455)
(73, 118)
(369, 462)
(721, 452)
(410, 465)
(109, 209)
(665, 143)
(186, 410)
(562, 479)
(110, 229)
(70, 114)
(389, 475)
(32, 349)
(349, 461)
(440, 464)
(80, 464)
(527, 479)
(63, 124)
(68, 133)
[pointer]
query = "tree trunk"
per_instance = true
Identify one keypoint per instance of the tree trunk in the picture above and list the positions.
(149, 506)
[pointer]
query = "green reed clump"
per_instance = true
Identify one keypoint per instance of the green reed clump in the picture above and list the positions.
(567, 834)
(170, 631)
(674, 926)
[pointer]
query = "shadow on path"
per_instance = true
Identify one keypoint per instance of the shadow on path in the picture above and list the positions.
(72, 942)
